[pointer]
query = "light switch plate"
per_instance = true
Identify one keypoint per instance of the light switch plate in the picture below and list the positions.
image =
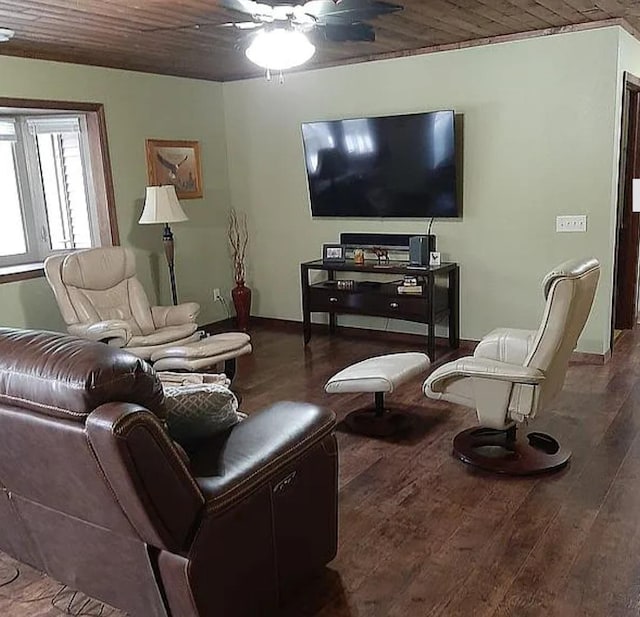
(569, 223)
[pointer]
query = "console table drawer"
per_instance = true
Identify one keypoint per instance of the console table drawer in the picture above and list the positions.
(328, 300)
(334, 300)
(402, 305)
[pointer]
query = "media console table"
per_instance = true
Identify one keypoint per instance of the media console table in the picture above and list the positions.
(381, 298)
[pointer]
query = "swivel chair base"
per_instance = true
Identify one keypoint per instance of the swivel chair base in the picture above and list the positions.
(377, 422)
(503, 452)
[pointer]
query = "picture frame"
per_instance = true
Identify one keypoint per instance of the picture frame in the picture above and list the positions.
(175, 162)
(434, 258)
(334, 253)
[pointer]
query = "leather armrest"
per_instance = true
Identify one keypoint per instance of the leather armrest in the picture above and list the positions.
(148, 475)
(175, 315)
(249, 454)
(485, 368)
(116, 332)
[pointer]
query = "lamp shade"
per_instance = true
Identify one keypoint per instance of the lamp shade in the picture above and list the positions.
(161, 205)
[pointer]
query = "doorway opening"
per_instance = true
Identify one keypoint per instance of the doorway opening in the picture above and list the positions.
(626, 272)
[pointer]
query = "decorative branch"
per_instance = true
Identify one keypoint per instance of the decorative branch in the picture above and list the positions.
(238, 239)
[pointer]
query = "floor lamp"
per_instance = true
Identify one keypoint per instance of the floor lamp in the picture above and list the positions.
(161, 205)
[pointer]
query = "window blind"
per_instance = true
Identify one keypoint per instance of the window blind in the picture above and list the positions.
(44, 126)
(64, 181)
(7, 129)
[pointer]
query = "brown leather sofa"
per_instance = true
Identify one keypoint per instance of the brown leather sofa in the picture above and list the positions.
(94, 492)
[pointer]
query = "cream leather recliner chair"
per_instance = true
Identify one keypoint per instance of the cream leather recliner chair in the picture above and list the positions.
(101, 299)
(515, 373)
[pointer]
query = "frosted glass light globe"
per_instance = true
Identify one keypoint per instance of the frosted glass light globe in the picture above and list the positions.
(279, 49)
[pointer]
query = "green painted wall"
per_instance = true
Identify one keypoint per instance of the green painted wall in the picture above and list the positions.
(540, 140)
(138, 106)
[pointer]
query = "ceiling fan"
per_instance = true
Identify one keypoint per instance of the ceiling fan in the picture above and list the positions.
(280, 29)
(335, 20)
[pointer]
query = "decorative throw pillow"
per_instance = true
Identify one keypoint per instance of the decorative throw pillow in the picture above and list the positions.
(198, 411)
(170, 378)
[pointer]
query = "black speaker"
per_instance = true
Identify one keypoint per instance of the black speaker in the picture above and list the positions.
(419, 249)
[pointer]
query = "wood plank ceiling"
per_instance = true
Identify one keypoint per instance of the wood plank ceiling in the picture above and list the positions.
(132, 34)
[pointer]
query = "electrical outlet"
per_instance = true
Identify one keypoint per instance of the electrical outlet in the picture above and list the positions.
(217, 296)
(576, 222)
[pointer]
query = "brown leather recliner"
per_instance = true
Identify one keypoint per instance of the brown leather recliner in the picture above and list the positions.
(94, 492)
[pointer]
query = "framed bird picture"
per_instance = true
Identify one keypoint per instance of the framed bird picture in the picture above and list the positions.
(177, 163)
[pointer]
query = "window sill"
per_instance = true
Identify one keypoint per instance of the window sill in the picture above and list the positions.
(10, 274)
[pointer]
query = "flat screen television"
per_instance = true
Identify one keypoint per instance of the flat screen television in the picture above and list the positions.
(392, 166)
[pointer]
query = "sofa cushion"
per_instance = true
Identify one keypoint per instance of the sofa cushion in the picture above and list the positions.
(199, 411)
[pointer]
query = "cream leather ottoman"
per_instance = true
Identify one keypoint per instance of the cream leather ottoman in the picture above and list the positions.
(379, 375)
(204, 354)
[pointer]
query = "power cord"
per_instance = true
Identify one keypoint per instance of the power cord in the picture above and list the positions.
(226, 306)
(71, 602)
(218, 297)
(13, 576)
(430, 226)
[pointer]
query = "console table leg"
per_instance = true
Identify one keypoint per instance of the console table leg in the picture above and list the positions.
(331, 276)
(454, 308)
(306, 313)
(431, 326)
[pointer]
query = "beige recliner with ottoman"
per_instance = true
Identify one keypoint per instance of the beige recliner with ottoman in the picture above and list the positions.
(101, 299)
(514, 374)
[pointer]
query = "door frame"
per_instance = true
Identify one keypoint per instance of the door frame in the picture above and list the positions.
(627, 249)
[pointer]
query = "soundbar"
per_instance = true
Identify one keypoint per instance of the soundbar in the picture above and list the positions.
(400, 241)
(418, 246)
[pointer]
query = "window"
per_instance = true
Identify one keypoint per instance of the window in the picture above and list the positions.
(55, 182)
(46, 187)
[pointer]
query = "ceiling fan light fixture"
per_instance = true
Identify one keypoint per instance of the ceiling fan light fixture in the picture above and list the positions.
(6, 34)
(280, 49)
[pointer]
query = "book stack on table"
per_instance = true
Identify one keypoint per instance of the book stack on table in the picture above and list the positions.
(410, 286)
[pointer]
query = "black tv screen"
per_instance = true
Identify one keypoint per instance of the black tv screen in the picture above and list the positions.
(393, 166)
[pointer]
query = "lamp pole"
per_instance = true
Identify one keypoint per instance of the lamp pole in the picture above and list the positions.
(169, 251)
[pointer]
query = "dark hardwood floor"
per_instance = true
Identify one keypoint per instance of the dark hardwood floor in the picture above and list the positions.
(423, 535)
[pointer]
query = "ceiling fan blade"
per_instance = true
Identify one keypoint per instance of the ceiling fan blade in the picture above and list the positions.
(261, 10)
(198, 26)
(319, 7)
(349, 11)
(242, 25)
(340, 33)
(382, 6)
